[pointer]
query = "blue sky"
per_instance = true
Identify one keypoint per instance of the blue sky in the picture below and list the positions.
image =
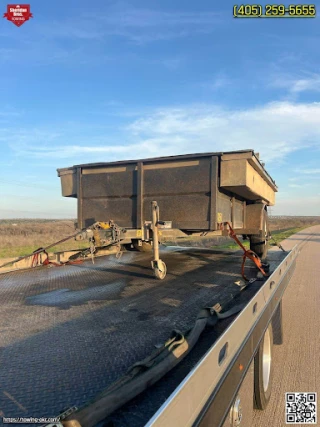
(103, 81)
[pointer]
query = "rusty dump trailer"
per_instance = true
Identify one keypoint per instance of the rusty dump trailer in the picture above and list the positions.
(196, 194)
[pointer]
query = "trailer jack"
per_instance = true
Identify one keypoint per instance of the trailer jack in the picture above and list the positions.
(158, 266)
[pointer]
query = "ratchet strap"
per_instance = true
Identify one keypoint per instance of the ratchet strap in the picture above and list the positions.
(247, 253)
(36, 260)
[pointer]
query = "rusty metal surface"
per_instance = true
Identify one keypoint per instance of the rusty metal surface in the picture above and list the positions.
(185, 187)
(241, 178)
(66, 333)
(182, 191)
(249, 152)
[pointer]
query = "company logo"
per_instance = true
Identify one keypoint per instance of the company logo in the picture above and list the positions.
(18, 14)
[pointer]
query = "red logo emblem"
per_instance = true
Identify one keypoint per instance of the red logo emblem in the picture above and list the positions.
(18, 14)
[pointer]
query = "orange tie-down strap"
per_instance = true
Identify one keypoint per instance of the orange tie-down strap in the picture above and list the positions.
(247, 253)
(35, 260)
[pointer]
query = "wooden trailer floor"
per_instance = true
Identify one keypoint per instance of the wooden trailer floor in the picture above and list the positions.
(68, 332)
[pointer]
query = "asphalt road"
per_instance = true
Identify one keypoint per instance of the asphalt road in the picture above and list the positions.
(297, 361)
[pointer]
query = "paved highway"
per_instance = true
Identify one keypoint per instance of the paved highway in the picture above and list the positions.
(297, 361)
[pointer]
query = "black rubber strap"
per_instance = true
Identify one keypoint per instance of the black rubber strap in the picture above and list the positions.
(232, 311)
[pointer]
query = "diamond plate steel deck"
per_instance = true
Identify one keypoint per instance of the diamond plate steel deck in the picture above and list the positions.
(68, 332)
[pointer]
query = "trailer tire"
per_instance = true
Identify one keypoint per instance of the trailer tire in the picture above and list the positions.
(160, 273)
(263, 370)
(259, 242)
(145, 246)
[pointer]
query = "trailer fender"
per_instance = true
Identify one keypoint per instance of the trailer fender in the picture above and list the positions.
(254, 215)
(258, 216)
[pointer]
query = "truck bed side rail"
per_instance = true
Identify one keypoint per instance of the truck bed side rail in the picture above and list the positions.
(210, 386)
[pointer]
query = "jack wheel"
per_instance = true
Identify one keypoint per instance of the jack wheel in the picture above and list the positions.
(160, 271)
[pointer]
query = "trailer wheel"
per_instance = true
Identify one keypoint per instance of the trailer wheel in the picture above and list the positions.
(263, 370)
(160, 270)
(145, 246)
(259, 242)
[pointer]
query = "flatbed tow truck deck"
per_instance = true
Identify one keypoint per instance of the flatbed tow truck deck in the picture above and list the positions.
(69, 332)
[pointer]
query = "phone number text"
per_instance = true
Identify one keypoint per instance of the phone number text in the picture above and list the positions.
(274, 11)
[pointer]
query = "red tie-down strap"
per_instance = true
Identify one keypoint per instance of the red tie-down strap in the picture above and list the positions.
(35, 260)
(247, 253)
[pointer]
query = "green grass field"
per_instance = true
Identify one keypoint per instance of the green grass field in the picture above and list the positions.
(28, 249)
(278, 235)
(21, 237)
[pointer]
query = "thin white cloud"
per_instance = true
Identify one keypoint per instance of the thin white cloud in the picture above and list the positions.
(297, 185)
(139, 25)
(170, 63)
(10, 112)
(12, 136)
(220, 82)
(86, 153)
(217, 83)
(128, 16)
(309, 171)
(43, 52)
(296, 85)
(303, 85)
(274, 130)
(136, 25)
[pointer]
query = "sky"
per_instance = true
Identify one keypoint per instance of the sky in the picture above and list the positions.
(101, 81)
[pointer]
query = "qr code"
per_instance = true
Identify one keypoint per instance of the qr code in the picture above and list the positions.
(301, 408)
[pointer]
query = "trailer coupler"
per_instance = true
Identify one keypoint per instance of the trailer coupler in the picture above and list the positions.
(247, 253)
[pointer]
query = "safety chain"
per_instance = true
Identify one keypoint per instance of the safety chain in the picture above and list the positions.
(277, 244)
(35, 261)
(92, 249)
(116, 232)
